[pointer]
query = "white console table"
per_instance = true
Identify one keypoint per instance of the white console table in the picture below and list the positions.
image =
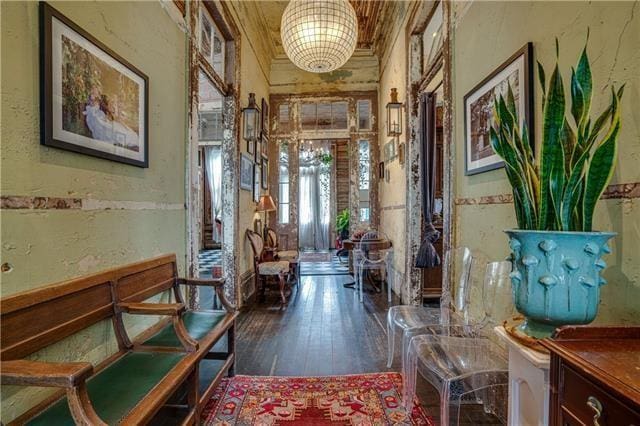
(528, 383)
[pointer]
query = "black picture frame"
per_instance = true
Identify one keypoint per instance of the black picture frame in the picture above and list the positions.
(264, 181)
(525, 101)
(381, 170)
(251, 147)
(264, 146)
(264, 111)
(246, 172)
(257, 155)
(118, 135)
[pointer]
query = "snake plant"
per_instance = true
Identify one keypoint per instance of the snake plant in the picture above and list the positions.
(559, 190)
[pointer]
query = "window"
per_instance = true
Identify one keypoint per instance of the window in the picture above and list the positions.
(283, 118)
(210, 126)
(364, 179)
(324, 116)
(211, 42)
(432, 38)
(283, 183)
(364, 115)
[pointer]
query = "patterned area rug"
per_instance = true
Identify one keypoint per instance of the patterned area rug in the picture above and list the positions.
(366, 399)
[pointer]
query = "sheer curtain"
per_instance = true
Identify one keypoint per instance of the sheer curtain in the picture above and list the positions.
(314, 207)
(213, 165)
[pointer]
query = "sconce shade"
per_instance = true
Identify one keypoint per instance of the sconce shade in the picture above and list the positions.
(251, 117)
(266, 204)
(394, 115)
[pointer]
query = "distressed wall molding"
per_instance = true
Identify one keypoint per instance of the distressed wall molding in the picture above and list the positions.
(24, 202)
(616, 191)
(393, 207)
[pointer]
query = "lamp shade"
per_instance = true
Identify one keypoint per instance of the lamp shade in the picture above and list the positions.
(319, 35)
(266, 204)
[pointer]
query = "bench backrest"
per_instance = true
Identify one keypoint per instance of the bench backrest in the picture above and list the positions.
(35, 319)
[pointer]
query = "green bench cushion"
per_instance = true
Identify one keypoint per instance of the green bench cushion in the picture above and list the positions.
(116, 389)
(198, 324)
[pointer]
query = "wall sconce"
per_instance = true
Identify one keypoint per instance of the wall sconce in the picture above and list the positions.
(394, 115)
(251, 117)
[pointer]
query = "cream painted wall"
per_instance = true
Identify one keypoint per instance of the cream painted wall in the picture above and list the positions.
(45, 246)
(393, 193)
(613, 49)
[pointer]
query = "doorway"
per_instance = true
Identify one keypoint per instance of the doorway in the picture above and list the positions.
(316, 194)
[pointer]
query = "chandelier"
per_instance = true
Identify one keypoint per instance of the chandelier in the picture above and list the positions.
(319, 36)
(311, 155)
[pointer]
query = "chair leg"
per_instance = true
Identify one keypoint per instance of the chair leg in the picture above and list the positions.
(281, 279)
(391, 340)
(231, 348)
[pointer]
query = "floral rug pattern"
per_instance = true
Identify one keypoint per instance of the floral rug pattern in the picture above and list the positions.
(359, 400)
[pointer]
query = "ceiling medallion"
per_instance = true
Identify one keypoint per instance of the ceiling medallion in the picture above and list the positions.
(319, 36)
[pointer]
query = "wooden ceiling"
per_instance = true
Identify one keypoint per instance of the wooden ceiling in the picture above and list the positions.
(368, 13)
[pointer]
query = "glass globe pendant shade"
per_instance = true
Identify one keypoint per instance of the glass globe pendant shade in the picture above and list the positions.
(319, 36)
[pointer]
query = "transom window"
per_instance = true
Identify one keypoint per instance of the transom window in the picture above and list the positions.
(211, 42)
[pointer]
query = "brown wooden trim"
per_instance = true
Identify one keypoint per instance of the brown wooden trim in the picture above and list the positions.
(208, 393)
(181, 5)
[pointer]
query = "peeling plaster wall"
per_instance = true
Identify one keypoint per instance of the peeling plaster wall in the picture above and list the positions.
(360, 73)
(613, 49)
(393, 193)
(253, 57)
(140, 215)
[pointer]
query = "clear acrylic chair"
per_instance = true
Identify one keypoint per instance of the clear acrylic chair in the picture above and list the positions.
(452, 304)
(465, 369)
(372, 252)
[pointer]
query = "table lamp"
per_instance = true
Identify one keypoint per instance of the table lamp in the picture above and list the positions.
(265, 205)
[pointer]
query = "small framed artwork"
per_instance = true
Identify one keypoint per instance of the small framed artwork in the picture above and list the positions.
(517, 72)
(265, 146)
(258, 152)
(265, 117)
(401, 154)
(381, 170)
(265, 174)
(93, 101)
(387, 176)
(257, 174)
(390, 152)
(251, 147)
(246, 172)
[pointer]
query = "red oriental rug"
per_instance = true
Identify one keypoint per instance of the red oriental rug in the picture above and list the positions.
(366, 399)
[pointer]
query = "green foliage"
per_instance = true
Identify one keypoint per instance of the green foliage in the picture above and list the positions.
(326, 159)
(342, 221)
(559, 191)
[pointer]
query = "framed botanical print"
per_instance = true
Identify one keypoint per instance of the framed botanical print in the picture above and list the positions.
(246, 172)
(517, 72)
(92, 100)
(265, 174)
(265, 117)
(257, 174)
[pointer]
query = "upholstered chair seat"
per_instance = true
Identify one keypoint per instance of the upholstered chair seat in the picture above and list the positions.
(273, 268)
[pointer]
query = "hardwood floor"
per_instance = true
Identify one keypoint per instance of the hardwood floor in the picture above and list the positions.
(324, 330)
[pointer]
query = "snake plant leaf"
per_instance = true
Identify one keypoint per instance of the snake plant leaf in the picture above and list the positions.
(552, 161)
(569, 143)
(507, 119)
(511, 102)
(583, 77)
(543, 81)
(577, 100)
(601, 167)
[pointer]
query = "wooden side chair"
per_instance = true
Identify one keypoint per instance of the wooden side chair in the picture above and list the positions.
(291, 256)
(267, 268)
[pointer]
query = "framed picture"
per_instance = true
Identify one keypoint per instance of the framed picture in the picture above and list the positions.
(258, 152)
(390, 151)
(265, 117)
(92, 100)
(265, 146)
(381, 170)
(246, 172)
(401, 154)
(516, 72)
(265, 174)
(251, 147)
(257, 174)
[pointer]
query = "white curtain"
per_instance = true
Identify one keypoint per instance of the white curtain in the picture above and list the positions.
(314, 207)
(213, 165)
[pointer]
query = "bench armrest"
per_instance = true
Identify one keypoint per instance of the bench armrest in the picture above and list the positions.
(215, 282)
(50, 374)
(172, 309)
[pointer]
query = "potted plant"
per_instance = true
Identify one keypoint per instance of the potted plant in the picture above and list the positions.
(555, 253)
(342, 224)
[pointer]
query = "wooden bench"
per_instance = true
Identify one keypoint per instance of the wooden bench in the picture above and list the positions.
(132, 385)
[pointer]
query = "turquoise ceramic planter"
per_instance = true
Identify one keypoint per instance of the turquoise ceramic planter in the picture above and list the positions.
(556, 277)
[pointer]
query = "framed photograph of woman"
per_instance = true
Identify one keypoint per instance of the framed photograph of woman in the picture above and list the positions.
(517, 73)
(93, 101)
(246, 172)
